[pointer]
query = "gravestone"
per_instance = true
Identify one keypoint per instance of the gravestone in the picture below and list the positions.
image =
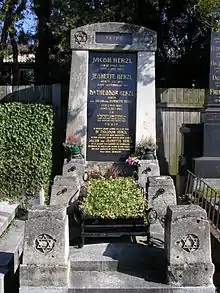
(208, 166)
(46, 249)
(188, 247)
(112, 89)
(161, 194)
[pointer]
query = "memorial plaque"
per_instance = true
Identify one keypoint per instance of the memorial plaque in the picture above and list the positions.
(214, 80)
(113, 38)
(111, 111)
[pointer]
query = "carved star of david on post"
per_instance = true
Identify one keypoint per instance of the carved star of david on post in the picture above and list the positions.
(190, 243)
(80, 37)
(44, 243)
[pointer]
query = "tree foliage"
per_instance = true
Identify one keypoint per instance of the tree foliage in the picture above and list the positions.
(183, 29)
(11, 14)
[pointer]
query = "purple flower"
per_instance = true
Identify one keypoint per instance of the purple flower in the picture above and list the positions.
(133, 161)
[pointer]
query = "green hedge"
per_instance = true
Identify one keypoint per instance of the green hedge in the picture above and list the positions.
(25, 149)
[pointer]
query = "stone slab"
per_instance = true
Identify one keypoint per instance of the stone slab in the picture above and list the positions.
(46, 239)
(42, 290)
(147, 168)
(44, 275)
(188, 246)
(158, 289)
(206, 167)
(120, 282)
(160, 180)
(11, 246)
(7, 214)
(186, 211)
(118, 256)
(211, 139)
(74, 168)
(65, 180)
(64, 195)
(161, 193)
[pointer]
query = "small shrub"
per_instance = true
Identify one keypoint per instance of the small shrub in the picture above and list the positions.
(118, 198)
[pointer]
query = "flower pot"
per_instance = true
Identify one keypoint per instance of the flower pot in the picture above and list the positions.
(75, 151)
(148, 155)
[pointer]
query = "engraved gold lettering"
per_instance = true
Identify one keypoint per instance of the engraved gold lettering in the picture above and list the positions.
(124, 76)
(214, 92)
(102, 60)
(215, 77)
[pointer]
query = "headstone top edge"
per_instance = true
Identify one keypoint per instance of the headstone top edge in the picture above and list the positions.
(186, 211)
(143, 39)
(114, 27)
(44, 211)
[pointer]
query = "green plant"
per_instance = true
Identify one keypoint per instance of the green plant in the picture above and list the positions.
(118, 198)
(72, 146)
(26, 149)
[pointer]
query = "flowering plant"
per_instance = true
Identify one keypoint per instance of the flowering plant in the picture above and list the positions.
(133, 161)
(73, 146)
(73, 141)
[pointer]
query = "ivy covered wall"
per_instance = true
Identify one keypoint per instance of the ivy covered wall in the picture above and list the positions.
(25, 149)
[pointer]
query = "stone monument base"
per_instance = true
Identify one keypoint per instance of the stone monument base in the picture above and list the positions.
(207, 167)
(49, 275)
(118, 267)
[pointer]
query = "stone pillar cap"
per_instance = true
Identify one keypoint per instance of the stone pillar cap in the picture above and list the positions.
(185, 211)
(160, 180)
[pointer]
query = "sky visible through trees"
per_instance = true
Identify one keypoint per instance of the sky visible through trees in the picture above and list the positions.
(44, 26)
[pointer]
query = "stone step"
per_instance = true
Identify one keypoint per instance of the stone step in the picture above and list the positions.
(11, 246)
(117, 256)
(7, 214)
(98, 282)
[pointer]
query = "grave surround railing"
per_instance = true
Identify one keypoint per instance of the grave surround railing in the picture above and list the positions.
(197, 191)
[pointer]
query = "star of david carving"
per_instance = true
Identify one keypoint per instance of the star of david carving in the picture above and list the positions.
(80, 37)
(44, 243)
(147, 38)
(190, 243)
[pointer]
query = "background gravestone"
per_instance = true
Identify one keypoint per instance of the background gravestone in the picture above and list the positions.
(208, 166)
(112, 89)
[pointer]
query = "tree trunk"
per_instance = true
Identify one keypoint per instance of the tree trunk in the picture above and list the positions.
(15, 80)
(43, 10)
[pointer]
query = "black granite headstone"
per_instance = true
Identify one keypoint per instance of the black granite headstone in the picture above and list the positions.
(208, 166)
(111, 107)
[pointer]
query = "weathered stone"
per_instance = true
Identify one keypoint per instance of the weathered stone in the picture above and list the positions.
(44, 275)
(46, 236)
(84, 37)
(75, 168)
(11, 247)
(67, 181)
(46, 248)
(30, 289)
(188, 247)
(147, 168)
(64, 195)
(121, 282)
(7, 214)
(161, 194)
